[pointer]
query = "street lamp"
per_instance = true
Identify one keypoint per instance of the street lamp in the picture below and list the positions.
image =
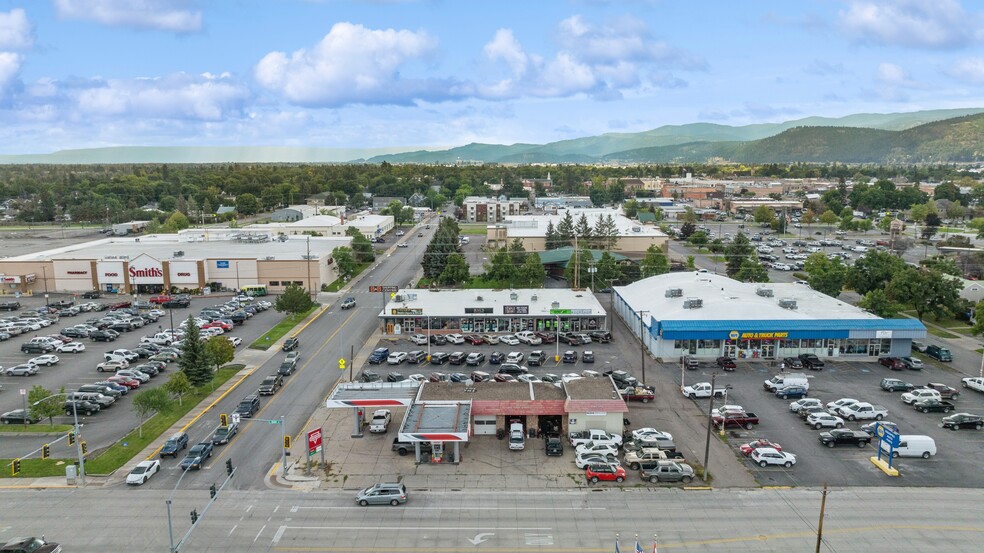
(591, 271)
(78, 437)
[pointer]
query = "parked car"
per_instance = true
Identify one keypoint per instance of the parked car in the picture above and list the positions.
(587, 357)
(536, 358)
(19, 416)
(747, 448)
(958, 421)
(668, 471)
(939, 353)
(439, 358)
(792, 391)
(496, 358)
(894, 385)
(380, 421)
(515, 357)
(913, 363)
(475, 359)
(378, 356)
(396, 358)
(844, 436)
(457, 358)
(595, 473)
(824, 420)
(804, 403)
(726, 363)
(893, 363)
(768, 456)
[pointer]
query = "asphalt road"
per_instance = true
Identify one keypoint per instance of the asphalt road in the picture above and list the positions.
(257, 448)
(581, 521)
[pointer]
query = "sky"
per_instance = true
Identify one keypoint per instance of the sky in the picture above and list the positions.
(440, 73)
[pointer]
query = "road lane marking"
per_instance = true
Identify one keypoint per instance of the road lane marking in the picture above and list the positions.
(296, 508)
(258, 533)
(233, 529)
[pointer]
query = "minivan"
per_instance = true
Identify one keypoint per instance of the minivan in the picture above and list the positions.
(939, 353)
(912, 446)
(384, 493)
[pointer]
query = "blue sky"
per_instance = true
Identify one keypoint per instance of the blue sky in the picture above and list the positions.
(438, 73)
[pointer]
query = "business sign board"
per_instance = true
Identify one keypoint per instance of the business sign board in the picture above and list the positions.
(145, 269)
(222, 264)
(314, 441)
(183, 272)
(110, 272)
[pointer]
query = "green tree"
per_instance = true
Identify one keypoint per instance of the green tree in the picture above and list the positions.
(565, 230)
(149, 402)
(455, 270)
(532, 273)
(605, 232)
(764, 214)
(873, 271)
(686, 230)
(42, 407)
(177, 221)
(829, 218)
(178, 385)
(631, 208)
(943, 264)
(878, 302)
(608, 271)
(500, 267)
(577, 269)
(293, 300)
(927, 291)
(247, 204)
(752, 271)
(978, 327)
(809, 217)
(444, 243)
(552, 241)
(583, 232)
(653, 263)
(219, 351)
(345, 261)
(736, 253)
(698, 238)
(688, 215)
(827, 276)
(517, 252)
(691, 265)
(194, 360)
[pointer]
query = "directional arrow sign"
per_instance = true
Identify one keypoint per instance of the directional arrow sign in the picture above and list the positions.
(479, 538)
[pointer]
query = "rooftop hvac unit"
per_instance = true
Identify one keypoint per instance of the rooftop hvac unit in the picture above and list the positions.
(270, 258)
(179, 253)
(765, 292)
(636, 229)
(674, 293)
(693, 303)
(533, 297)
(479, 298)
(787, 304)
(399, 298)
(513, 296)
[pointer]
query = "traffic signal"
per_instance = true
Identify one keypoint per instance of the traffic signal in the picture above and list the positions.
(45, 451)
(224, 419)
(212, 491)
(15, 467)
(194, 516)
(71, 438)
(84, 448)
(229, 467)
(286, 442)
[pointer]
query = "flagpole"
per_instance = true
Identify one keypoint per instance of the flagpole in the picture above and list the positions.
(616, 543)
(654, 543)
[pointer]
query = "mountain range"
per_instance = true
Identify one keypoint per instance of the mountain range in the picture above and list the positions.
(954, 135)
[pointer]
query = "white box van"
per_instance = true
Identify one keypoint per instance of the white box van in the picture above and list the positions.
(913, 446)
(517, 438)
(780, 381)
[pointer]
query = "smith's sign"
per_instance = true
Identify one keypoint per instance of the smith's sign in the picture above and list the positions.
(150, 272)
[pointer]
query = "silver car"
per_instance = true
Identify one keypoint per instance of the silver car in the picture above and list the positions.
(392, 493)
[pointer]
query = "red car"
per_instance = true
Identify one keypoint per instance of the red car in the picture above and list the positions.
(747, 449)
(474, 339)
(131, 383)
(218, 324)
(502, 377)
(726, 363)
(120, 305)
(60, 338)
(547, 337)
(893, 363)
(160, 299)
(594, 473)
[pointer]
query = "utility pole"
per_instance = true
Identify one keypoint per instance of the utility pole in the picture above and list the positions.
(710, 421)
(823, 505)
(642, 345)
(307, 263)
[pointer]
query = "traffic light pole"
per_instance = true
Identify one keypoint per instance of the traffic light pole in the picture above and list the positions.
(283, 440)
(174, 547)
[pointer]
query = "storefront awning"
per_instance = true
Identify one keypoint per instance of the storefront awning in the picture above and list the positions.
(785, 329)
(372, 394)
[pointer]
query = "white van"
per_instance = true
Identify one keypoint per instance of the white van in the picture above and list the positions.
(517, 438)
(780, 381)
(913, 446)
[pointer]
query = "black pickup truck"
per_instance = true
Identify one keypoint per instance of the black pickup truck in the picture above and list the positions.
(934, 406)
(811, 361)
(844, 436)
(407, 447)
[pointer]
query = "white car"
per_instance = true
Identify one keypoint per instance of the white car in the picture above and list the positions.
(652, 434)
(766, 456)
(455, 339)
(380, 421)
(419, 339)
(833, 406)
(804, 403)
(142, 377)
(46, 360)
(597, 447)
(396, 357)
(236, 340)
(71, 347)
(528, 378)
(417, 378)
(509, 340)
(582, 461)
(824, 420)
(142, 472)
(727, 410)
(918, 394)
(515, 357)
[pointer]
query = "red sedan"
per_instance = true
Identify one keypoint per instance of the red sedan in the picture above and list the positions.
(747, 449)
(131, 383)
(594, 473)
(474, 339)
(160, 299)
(218, 324)
(501, 377)
(893, 363)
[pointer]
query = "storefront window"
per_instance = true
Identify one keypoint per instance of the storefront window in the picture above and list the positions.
(789, 344)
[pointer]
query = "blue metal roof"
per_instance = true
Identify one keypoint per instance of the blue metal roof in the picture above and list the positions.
(796, 328)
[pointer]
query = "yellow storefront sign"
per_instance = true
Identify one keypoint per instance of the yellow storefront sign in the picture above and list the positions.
(763, 335)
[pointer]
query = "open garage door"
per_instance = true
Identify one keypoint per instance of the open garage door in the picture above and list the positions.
(485, 425)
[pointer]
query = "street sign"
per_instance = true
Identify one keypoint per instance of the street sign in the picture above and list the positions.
(383, 289)
(235, 418)
(23, 391)
(341, 364)
(373, 288)
(273, 421)
(314, 441)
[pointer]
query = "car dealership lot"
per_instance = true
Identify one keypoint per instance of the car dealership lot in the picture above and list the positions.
(956, 463)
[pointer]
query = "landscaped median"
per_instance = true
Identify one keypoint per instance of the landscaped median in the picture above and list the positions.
(281, 329)
(38, 428)
(116, 455)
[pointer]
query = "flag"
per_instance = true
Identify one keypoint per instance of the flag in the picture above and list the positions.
(616, 545)
(639, 548)
(654, 545)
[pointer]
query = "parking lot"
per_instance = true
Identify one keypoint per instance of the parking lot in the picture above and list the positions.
(956, 463)
(76, 369)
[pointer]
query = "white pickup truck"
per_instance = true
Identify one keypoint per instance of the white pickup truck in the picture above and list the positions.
(975, 383)
(702, 389)
(597, 436)
(160, 339)
(859, 411)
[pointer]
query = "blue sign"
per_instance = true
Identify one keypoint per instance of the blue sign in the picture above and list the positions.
(886, 436)
(221, 264)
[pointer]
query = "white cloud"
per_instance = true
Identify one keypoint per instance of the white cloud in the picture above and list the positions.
(894, 75)
(10, 64)
(178, 96)
(352, 65)
(599, 60)
(16, 32)
(163, 15)
(937, 24)
(968, 69)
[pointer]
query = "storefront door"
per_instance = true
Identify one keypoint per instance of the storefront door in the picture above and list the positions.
(768, 350)
(730, 350)
(873, 349)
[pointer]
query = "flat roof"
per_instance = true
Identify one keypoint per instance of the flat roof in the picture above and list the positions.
(726, 299)
(591, 388)
(163, 247)
(536, 225)
(538, 302)
(490, 391)
(433, 422)
(372, 394)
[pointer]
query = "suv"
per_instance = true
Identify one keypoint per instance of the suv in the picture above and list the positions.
(248, 406)
(536, 358)
(457, 358)
(270, 385)
(290, 345)
(174, 444)
(384, 493)
(416, 357)
(36, 347)
(287, 368)
(378, 356)
(10, 306)
(348, 303)
(939, 353)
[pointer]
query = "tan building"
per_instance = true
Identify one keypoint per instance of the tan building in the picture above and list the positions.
(633, 238)
(188, 261)
(490, 210)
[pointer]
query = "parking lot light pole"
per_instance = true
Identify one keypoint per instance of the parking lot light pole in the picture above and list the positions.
(710, 421)
(642, 345)
(982, 364)
(75, 429)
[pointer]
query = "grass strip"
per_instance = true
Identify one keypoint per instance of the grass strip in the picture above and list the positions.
(35, 428)
(281, 329)
(117, 455)
(340, 282)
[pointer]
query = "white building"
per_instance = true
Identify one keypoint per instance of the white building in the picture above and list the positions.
(633, 238)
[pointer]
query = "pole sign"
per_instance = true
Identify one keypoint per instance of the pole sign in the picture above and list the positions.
(885, 434)
(314, 441)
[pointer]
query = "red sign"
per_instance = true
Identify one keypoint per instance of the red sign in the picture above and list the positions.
(314, 441)
(150, 272)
